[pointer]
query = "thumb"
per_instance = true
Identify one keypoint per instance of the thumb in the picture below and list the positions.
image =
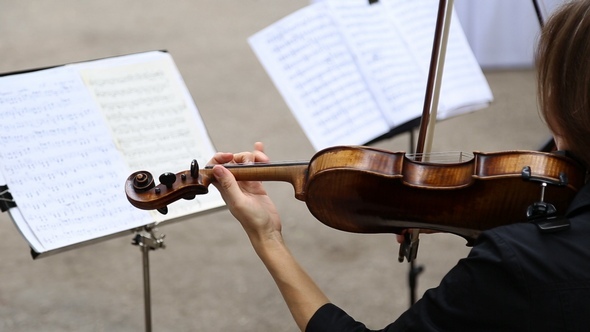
(226, 184)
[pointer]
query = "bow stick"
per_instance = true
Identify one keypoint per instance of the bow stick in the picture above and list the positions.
(409, 248)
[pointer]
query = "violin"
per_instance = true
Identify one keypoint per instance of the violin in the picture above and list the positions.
(368, 190)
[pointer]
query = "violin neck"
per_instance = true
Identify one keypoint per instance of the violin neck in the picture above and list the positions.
(294, 173)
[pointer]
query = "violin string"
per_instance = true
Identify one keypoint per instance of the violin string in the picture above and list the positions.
(431, 157)
(442, 157)
(261, 163)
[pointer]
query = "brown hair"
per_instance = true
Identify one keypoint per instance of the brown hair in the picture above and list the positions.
(563, 65)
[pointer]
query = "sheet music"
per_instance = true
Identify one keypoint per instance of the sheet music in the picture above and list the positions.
(60, 165)
(464, 87)
(350, 71)
(307, 58)
(18, 218)
(154, 123)
(72, 135)
(392, 73)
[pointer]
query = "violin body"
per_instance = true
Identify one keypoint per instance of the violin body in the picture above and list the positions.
(373, 191)
(368, 190)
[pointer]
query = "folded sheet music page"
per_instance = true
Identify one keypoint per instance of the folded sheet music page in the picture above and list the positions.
(307, 58)
(153, 120)
(71, 135)
(464, 87)
(350, 71)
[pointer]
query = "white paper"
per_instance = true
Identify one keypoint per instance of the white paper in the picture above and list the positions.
(350, 71)
(2, 180)
(66, 162)
(307, 58)
(464, 87)
(152, 118)
(60, 165)
(392, 73)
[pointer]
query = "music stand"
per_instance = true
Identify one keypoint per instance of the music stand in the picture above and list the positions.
(72, 134)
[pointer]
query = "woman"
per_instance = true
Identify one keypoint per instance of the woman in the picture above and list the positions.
(516, 278)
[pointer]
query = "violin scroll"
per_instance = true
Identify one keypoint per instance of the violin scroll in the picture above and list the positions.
(144, 194)
(143, 181)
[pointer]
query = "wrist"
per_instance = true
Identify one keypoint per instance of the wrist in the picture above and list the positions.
(267, 243)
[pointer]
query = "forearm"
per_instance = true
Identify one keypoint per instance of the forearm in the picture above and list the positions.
(250, 204)
(302, 295)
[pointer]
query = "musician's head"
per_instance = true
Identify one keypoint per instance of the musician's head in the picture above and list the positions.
(563, 64)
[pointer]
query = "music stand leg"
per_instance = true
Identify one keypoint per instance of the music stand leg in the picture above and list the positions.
(146, 289)
(413, 273)
(146, 243)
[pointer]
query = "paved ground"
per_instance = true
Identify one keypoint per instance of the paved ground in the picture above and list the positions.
(208, 278)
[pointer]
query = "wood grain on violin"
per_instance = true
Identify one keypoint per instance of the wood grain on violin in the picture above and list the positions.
(368, 190)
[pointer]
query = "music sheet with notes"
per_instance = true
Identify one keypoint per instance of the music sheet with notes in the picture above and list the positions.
(350, 71)
(71, 135)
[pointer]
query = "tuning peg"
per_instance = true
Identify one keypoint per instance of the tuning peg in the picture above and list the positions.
(163, 210)
(167, 179)
(189, 196)
(194, 169)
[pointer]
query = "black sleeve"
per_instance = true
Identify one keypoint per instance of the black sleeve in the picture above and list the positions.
(330, 318)
(483, 291)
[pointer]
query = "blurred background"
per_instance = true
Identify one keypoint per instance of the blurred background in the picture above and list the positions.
(208, 277)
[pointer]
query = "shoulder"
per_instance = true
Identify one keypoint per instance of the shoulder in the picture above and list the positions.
(526, 240)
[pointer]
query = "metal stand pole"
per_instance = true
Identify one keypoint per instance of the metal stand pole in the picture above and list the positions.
(413, 273)
(146, 289)
(147, 242)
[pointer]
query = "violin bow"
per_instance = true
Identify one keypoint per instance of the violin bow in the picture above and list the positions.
(409, 248)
